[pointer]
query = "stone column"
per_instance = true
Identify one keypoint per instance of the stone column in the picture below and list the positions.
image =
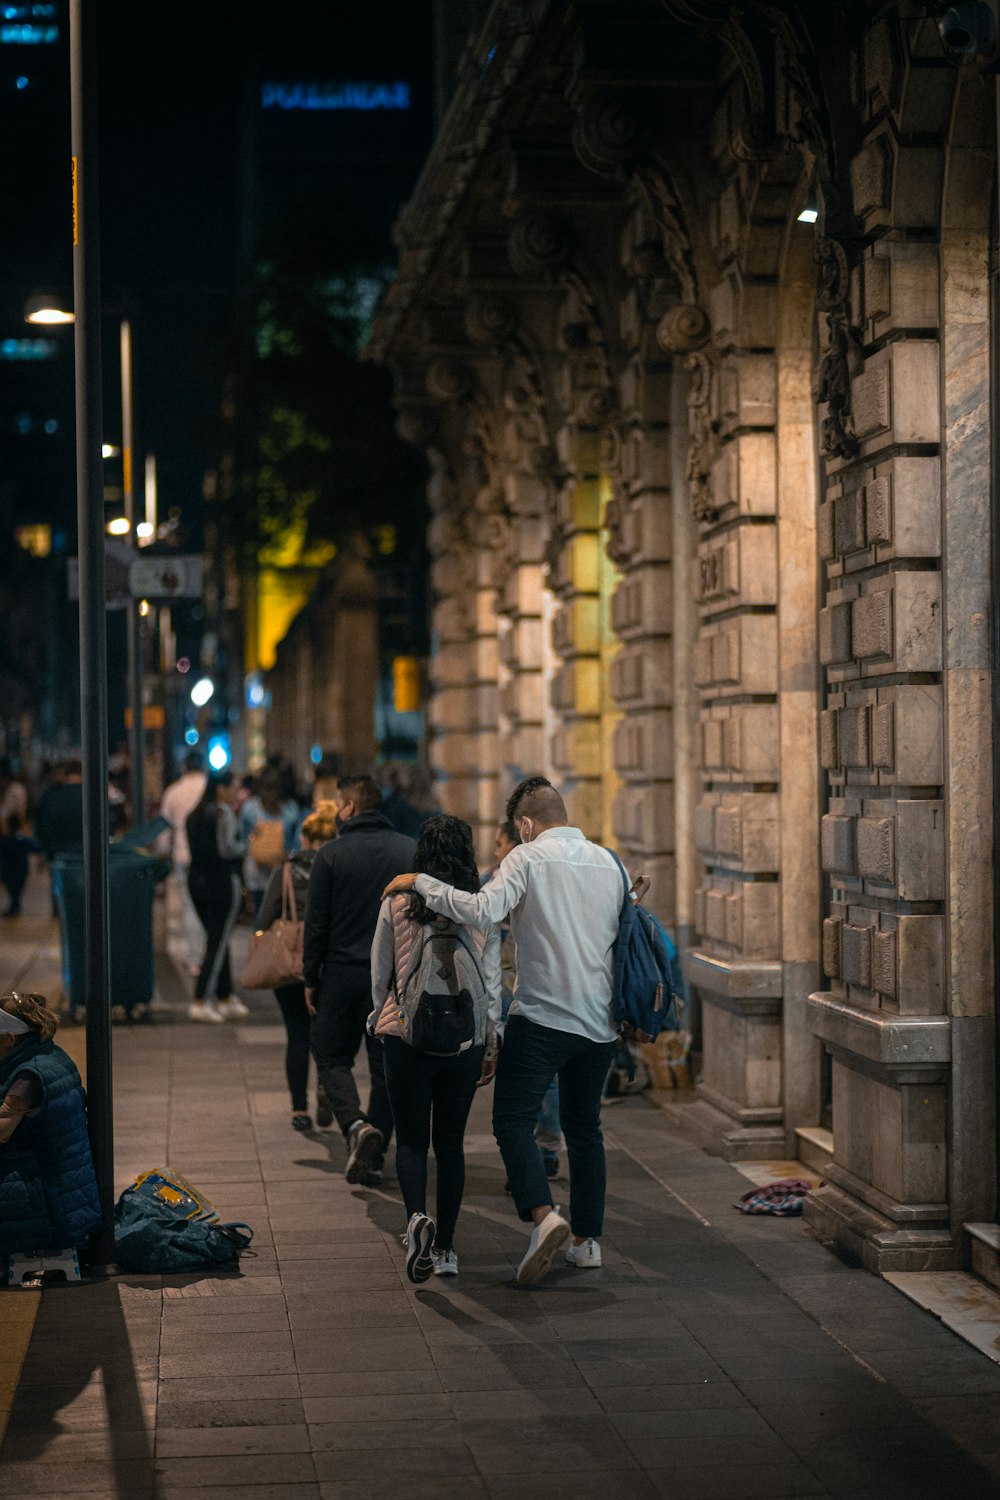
(642, 614)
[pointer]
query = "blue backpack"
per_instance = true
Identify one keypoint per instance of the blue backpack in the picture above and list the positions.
(646, 980)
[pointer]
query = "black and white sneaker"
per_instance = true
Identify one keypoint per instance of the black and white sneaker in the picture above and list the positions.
(364, 1148)
(419, 1247)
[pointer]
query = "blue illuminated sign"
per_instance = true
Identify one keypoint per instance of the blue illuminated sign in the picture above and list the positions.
(27, 348)
(363, 96)
(28, 26)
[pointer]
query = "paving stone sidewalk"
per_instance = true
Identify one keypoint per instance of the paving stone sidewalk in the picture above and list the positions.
(715, 1357)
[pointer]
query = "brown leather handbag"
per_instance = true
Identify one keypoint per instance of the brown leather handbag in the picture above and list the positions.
(275, 957)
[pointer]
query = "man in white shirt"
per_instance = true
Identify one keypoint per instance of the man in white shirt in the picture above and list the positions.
(180, 800)
(564, 896)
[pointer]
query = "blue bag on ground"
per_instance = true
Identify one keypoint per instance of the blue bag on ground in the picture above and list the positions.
(163, 1225)
(645, 974)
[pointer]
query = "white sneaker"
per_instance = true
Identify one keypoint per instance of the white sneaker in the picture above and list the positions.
(445, 1262)
(587, 1256)
(205, 1010)
(546, 1238)
(419, 1255)
(232, 1009)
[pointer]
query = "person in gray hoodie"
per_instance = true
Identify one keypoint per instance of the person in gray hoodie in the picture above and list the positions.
(431, 1092)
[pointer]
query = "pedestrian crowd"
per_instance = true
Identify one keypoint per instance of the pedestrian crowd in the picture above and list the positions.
(393, 941)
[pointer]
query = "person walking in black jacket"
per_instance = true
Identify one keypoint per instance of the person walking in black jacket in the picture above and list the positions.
(342, 908)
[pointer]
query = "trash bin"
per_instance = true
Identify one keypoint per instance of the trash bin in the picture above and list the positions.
(132, 877)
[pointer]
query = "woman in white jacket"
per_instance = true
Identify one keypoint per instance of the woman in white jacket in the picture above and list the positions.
(431, 1093)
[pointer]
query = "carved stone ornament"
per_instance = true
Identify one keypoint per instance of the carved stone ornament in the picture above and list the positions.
(614, 517)
(414, 424)
(609, 132)
(683, 329)
(489, 319)
(596, 406)
(448, 379)
(701, 434)
(842, 356)
(539, 243)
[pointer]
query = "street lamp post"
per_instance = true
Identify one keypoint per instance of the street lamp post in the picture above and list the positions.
(93, 631)
(133, 625)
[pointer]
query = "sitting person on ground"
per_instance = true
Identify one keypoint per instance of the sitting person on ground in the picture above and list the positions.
(318, 829)
(547, 1132)
(431, 1093)
(48, 1192)
(564, 895)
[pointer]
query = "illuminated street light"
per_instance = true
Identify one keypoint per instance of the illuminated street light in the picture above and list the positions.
(108, 450)
(202, 691)
(118, 526)
(218, 752)
(46, 309)
(145, 530)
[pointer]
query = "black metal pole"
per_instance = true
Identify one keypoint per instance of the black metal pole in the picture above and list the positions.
(137, 738)
(93, 622)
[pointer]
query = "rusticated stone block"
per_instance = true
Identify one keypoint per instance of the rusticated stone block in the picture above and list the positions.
(832, 932)
(760, 918)
(920, 862)
(715, 914)
(850, 522)
(829, 741)
(884, 963)
(878, 510)
(726, 657)
(835, 634)
(729, 831)
(875, 850)
(837, 844)
(871, 625)
(854, 743)
(576, 686)
(644, 744)
(870, 401)
(703, 826)
(826, 531)
(919, 738)
(576, 747)
(921, 965)
(857, 955)
(576, 627)
(646, 527)
(911, 514)
(701, 664)
(734, 919)
(883, 736)
(713, 756)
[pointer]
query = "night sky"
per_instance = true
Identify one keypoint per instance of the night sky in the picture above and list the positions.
(175, 82)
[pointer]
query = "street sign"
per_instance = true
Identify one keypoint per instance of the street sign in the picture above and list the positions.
(167, 577)
(117, 562)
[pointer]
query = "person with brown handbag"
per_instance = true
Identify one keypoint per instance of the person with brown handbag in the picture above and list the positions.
(275, 959)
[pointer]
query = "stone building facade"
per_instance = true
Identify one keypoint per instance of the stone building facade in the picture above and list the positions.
(693, 320)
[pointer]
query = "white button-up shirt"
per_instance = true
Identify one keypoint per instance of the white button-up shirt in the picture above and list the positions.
(563, 894)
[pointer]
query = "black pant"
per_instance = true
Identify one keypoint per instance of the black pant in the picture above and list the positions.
(292, 1000)
(422, 1087)
(343, 1007)
(14, 870)
(218, 906)
(530, 1058)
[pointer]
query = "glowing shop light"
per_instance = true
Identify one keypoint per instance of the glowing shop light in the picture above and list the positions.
(145, 530)
(108, 450)
(118, 526)
(218, 752)
(191, 736)
(202, 691)
(316, 754)
(809, 216)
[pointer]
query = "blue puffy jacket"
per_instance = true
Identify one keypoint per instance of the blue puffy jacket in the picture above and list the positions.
(48, 1191)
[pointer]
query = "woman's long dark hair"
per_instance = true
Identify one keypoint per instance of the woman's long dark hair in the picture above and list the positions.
(210, 795)
(444, 850)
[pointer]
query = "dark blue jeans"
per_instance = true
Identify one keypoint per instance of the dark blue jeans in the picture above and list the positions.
(530, 1058)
